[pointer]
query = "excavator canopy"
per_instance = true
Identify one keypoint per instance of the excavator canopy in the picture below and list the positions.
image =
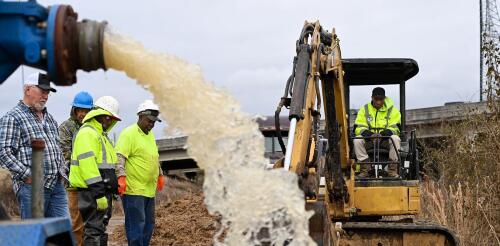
(378, 71)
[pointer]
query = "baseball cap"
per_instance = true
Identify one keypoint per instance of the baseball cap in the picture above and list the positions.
(41, 80)
(378, 92)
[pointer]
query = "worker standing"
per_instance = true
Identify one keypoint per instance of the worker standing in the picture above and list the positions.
(92, 170)
(378, 118)
(139, 174)
(82, 104)
(30, 120)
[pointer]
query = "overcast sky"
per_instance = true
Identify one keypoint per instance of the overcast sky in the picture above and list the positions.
(247, 47)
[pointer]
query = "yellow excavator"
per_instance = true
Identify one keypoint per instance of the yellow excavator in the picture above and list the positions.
(374, 210)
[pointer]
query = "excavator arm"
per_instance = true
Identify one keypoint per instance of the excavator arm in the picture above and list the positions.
(315, 88)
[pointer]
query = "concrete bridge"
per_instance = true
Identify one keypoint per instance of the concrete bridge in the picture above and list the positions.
(429, 123)
(432, 122)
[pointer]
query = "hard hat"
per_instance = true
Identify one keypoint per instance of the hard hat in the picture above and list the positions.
(109, 104)
(148, 104)
(83, 100)
(150, 109)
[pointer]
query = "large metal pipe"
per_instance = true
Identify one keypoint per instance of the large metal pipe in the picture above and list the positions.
(90, 44)
(37, 178)
(50, 39)
(77, 45)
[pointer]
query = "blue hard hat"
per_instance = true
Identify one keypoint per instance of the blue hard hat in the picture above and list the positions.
(83, 100)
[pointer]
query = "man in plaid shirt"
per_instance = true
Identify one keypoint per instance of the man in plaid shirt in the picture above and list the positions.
(18, 127)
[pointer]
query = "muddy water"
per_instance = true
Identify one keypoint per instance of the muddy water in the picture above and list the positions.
(258, 206)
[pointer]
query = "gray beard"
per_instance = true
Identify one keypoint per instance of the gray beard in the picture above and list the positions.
(39, 106)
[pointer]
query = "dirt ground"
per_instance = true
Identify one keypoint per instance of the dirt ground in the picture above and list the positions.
(181, 217)
(7, 197)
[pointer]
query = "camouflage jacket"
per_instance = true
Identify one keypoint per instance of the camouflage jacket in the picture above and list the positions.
(67, 130)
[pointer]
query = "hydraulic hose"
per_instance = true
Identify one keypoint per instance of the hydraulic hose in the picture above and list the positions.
(282, 103)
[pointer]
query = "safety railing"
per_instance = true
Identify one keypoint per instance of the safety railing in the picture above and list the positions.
(374, 160)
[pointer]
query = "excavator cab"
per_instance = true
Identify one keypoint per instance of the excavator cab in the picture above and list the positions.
(380, 72)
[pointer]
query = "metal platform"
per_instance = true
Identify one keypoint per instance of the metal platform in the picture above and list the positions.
(48, 231)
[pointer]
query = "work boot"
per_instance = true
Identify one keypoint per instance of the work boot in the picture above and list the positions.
(364, 170)
(393, 171)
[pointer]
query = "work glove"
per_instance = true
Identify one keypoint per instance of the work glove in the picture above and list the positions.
(102, 203)
(386, 132)
(160, 183)
(122, 185)
(366, 133)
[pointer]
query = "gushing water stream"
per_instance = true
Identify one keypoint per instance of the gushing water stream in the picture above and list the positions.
(258, 206)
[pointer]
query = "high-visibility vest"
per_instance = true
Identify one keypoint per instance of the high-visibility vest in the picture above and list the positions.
(92, 152)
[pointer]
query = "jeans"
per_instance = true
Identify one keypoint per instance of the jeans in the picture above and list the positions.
(55, 204)
(139, 219)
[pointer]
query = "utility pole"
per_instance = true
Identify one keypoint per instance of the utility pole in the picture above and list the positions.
(480, 50)
(489, 28)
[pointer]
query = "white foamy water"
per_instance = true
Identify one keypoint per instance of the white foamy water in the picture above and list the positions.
(258, 206)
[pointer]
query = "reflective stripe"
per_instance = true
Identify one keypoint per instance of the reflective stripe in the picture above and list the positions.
(393, 126)
(106, 166)
(367, 115)
(75, 162)
(388, 116)
(85, 155)
(93, 180)
(104, 155)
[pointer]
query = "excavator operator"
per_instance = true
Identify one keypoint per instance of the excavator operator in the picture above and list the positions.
(376, 119)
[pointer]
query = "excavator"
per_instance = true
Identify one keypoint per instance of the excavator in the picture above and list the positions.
(374, 210)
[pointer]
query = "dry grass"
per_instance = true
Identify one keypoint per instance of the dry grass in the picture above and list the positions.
(461, 190)
(461, 209)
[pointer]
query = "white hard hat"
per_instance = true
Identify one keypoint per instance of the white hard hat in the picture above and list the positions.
(109, 104)
(148, 104)
(150, 109)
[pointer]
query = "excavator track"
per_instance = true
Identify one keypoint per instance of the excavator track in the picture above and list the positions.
(394, 233)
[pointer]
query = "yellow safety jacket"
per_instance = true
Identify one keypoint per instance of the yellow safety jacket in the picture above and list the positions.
(387, 117)
(93, 158)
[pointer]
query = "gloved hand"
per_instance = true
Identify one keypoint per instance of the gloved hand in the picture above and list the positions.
(102, 203)
(160, 183)
(386, 132)
(122, 185)
(366, 133)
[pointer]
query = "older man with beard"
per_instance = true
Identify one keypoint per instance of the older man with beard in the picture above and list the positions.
(30, 120)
